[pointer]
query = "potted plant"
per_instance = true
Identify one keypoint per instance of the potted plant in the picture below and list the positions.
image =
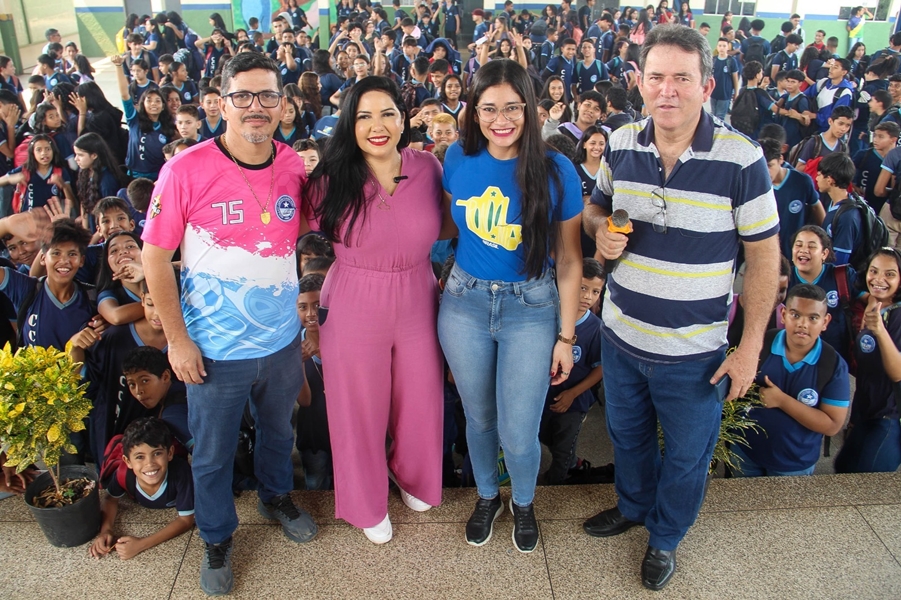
(42, 402)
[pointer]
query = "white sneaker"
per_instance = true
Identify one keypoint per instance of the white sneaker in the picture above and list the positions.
(412, 502)
(381, 533)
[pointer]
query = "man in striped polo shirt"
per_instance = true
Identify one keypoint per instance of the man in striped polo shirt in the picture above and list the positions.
(694, 190)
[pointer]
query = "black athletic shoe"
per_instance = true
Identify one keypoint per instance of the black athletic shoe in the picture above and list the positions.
(657, 568)
(525, 527)
(481, 523)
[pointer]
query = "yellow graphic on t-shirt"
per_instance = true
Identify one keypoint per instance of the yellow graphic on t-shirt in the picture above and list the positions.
(486, 216)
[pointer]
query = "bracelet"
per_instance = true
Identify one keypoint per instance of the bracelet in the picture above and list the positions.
(570, 341)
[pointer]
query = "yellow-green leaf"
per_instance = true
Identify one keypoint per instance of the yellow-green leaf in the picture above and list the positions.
(53, 433)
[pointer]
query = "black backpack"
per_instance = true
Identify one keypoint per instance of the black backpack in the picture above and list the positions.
(746, 112)
(756, 50)
(874, 231)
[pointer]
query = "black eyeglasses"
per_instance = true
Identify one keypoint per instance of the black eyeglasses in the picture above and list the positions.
(268, 99)
(659, 202)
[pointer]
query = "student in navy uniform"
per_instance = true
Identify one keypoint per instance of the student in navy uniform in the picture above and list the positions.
(42, 177)
(564, 66)
(99, 175)
(589, 111)
(589, 70)
(289, 129)
(752, 73)
(873, 443)
(60, 308)
(811, 248)
(796, 198)
(155, 478)
(786, 59)
(830, 141)
(150, 381)
(798, 411)
(119, 279)
(834, 175)
(213, 48)
(150, 127)
(589, 161)
(137, 198)
(451, 14)
(102, 355)
(212, 124)
(140, 81)
(186, 88)
(725, 73)
(868, 163)
(47, 68)
(289, 64)
(313, 440)
(567, 403)
(792, 106)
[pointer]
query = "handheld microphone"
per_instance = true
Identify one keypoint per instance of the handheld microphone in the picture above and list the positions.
(400, 178)
(618, 222)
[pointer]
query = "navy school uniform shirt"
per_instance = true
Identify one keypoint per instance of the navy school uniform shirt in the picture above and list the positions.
(722, 74)
(173, 411)
(800, 103)
(289, 76)
(765, 106)
(589, 182)
(188, 92)
(138, 90)
(49, 322)
(297, 133)
(566, 70)
(846, 233)
(868, 163)
(212, 56)
(312, 420)
(783, 444)
(585, 77)
(795, 195)
(836, 334)
(93, 256)
(208, 132)
(785, 61)
(586, 357)
(145, 150)
(39, 189)
(806, 152)
(480, 185)
(177, 491)
(874, 397)
(119, 293)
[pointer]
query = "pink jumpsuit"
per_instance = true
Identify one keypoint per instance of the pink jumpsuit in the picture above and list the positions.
(382, 363)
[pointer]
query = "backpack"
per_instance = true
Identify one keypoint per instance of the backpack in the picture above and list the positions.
(113, 467)
(597, 63)
(120, 41)
(756, 50)
(874, 232)
(746, 112)
(825, 365)
(810, 165)
(20, 154)
(768, 64)
(777, 43)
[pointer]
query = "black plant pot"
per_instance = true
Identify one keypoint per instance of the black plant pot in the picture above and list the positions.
(71, 525)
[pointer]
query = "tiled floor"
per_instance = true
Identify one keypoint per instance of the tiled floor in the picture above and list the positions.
(831, 536)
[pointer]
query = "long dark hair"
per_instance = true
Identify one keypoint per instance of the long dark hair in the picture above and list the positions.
(88, 183)
(309, 87)
(581, 153)
(165, 117)
(105, 279)
(884, 251)
(40, 114)
(535, 166)
(321, 62)
(339, 178)
(546, 95)
(443, 93)
(31, 164)
(94, 97)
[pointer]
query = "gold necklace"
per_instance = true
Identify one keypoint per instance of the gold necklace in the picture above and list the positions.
(265, 217)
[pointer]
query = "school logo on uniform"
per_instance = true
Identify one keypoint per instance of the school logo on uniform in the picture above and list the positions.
(795, 206)
(163, 139)
(808, 396)
(155, 206)
(285, 208)
(577, 354)
(486, 216)
(867, 344)
(832, 299)
(593, 78)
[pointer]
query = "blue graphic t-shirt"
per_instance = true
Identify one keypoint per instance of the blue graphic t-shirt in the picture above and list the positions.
(486, 205)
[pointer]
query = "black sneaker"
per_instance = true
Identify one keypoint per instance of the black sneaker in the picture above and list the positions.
(297, 523)
(216, 577)
(481, 523)
(525, 527)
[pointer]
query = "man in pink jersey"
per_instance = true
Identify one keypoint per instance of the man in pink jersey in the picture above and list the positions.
(232, 205)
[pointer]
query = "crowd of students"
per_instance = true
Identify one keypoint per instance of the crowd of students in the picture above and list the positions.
(828, 128)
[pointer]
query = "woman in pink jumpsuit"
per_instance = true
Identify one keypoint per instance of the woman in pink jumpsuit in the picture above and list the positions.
(378, 340)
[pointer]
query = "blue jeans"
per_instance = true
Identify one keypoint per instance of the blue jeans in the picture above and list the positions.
(872, 446)
(665, 493)
(720, 108)
(498, 338)
(748, 468)
(272, 383)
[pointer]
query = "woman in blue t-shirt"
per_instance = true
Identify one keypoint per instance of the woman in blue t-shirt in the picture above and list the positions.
(811, 248)
(505, 331)
(150, 127)
(873, 443)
